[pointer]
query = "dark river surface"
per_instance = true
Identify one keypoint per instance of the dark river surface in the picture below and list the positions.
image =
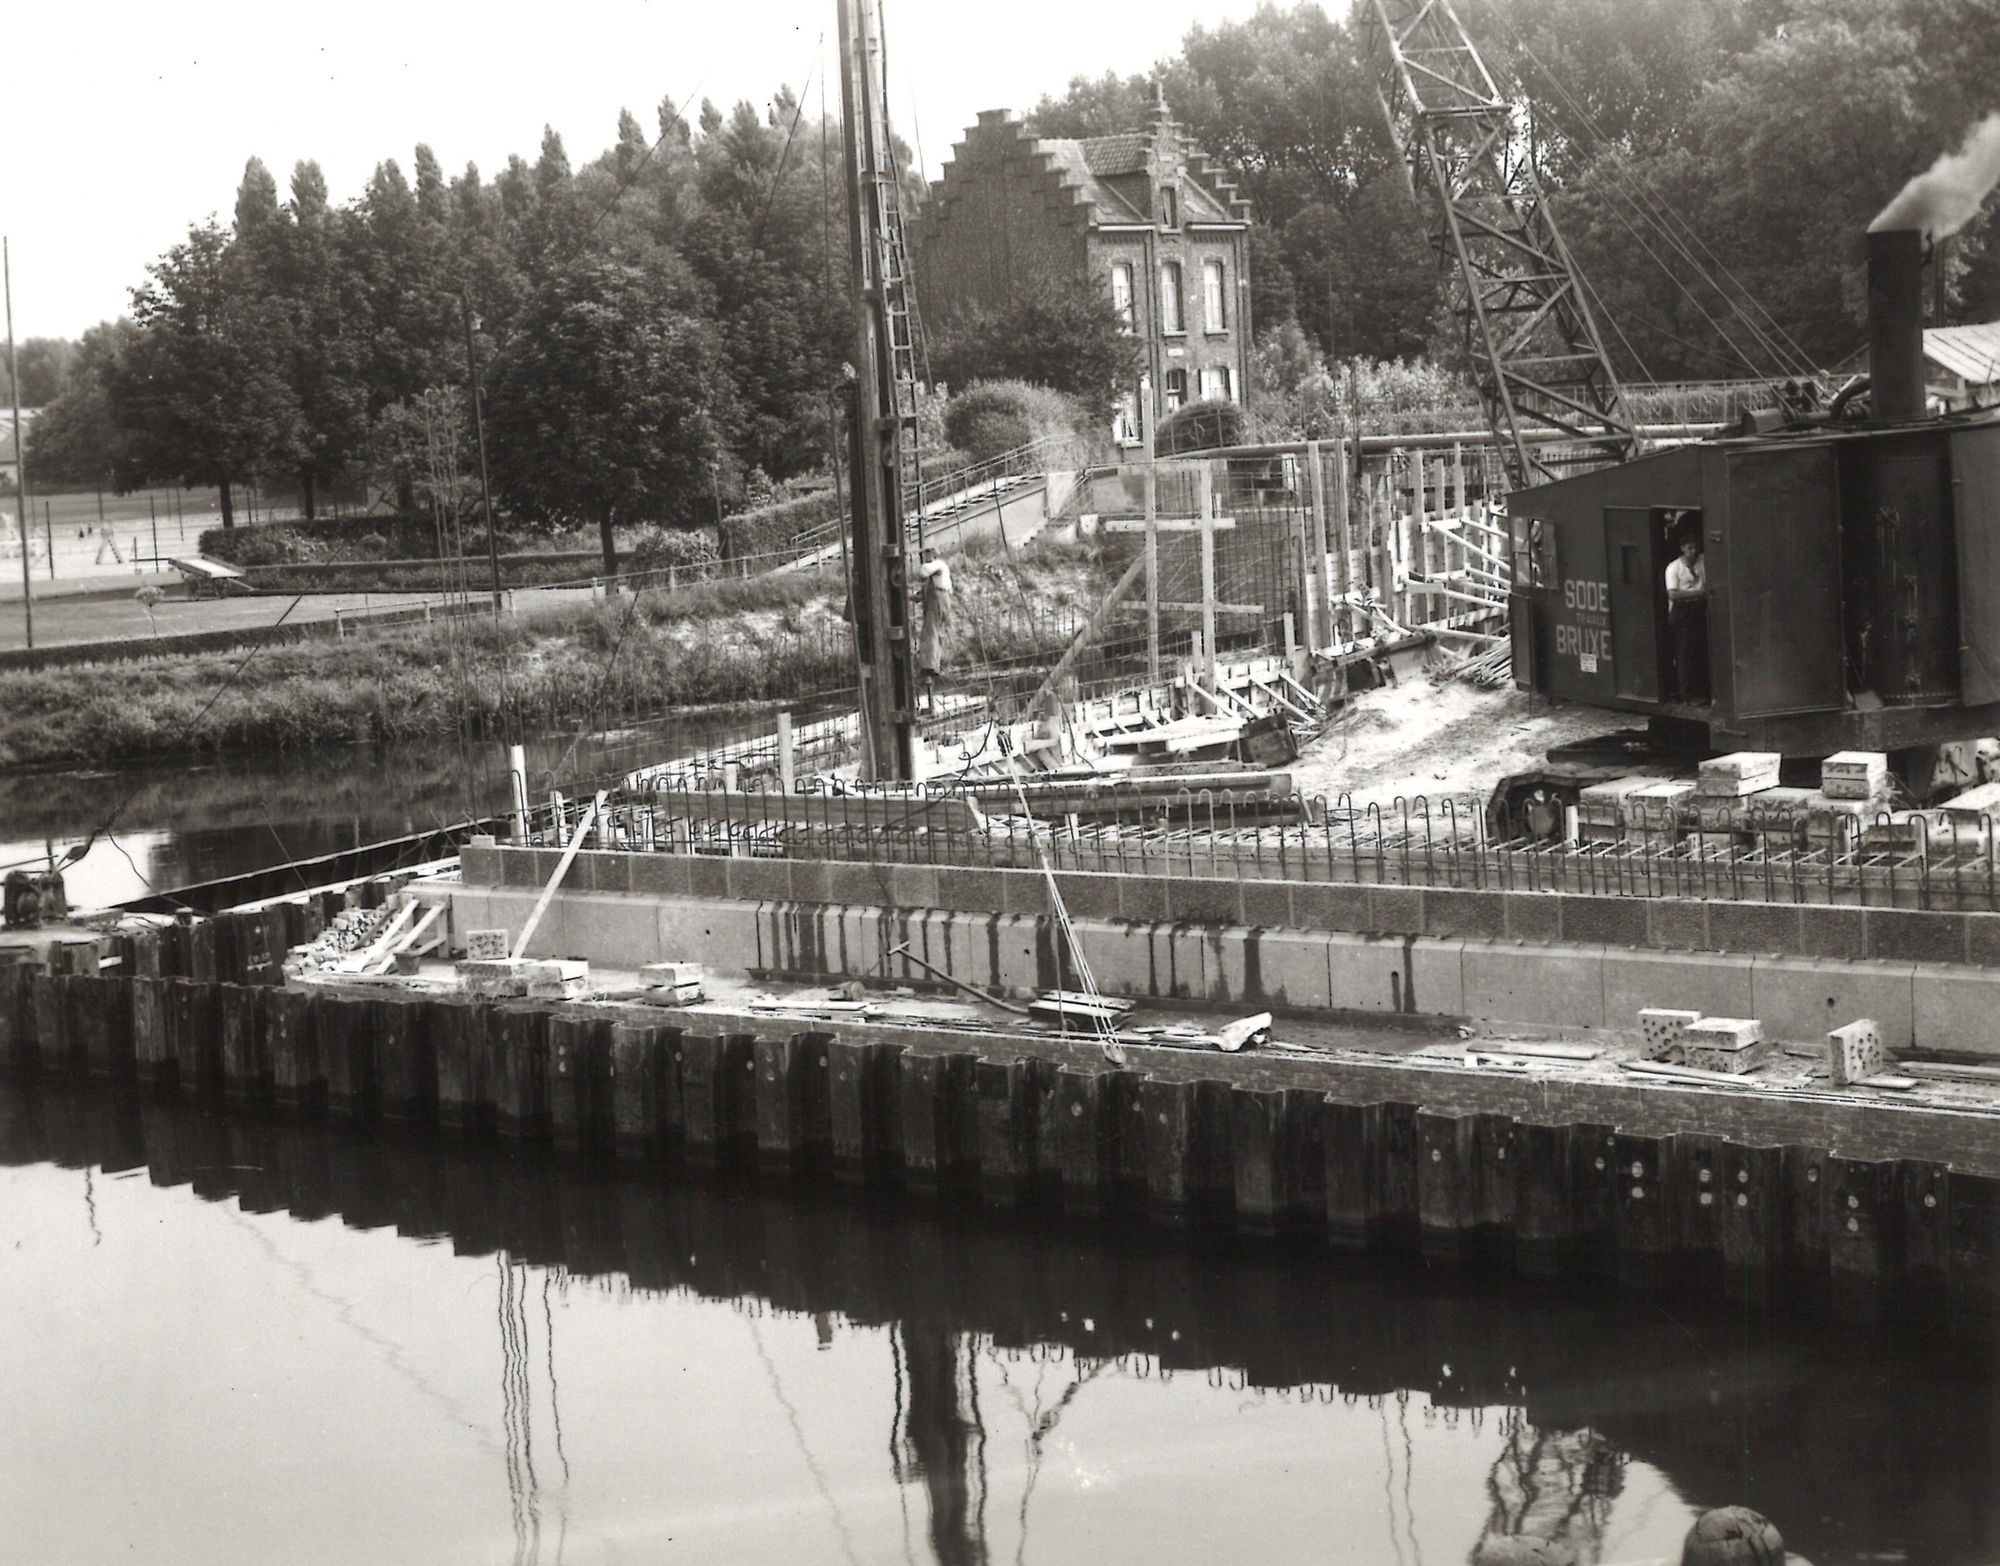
(231, 1340)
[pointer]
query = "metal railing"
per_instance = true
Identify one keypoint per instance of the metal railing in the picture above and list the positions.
(1892, 859)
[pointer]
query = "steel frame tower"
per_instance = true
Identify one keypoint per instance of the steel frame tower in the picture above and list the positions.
(1546, 375)
(882, 441)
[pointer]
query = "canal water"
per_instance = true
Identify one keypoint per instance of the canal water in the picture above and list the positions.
(179, 824)
(233, 1340)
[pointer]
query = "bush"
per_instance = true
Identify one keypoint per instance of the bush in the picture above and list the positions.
(657, 548)
(990, 418)
(769, 529)
(1200, 426)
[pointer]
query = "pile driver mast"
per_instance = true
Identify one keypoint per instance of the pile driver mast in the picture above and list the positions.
(882, 439)
(1544, 373)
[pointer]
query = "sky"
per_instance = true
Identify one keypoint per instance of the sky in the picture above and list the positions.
(130, 122)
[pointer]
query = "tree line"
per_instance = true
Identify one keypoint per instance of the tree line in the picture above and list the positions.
(1701, 155)
(664, 325)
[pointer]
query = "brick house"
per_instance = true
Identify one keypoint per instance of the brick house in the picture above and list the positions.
(1144, 214)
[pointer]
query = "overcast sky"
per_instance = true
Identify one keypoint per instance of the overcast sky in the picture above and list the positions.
(128, 122)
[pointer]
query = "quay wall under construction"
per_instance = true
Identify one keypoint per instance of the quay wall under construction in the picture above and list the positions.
(1929, 978)
(1860, 1205)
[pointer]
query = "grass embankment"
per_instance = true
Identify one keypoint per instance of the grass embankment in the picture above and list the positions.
(778, 637)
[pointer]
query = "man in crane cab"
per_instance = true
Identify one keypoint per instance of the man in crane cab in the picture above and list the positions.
(1687, 619)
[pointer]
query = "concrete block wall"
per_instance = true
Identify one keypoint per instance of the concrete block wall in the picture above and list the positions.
(1658, 924)
(1545, 984)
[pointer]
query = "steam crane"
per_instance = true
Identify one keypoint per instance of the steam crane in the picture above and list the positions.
(882, 429)
(1542, 370)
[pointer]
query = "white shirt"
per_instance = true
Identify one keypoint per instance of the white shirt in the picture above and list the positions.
(1685, 578)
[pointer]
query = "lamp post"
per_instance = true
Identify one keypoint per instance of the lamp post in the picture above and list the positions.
(479, 435)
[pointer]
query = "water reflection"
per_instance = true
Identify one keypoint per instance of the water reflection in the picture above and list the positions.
(179, 824)
(490, 1358)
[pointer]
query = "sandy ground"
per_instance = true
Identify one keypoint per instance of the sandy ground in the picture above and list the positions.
(1437, 738)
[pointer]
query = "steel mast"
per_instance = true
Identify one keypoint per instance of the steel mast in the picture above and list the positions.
(882, 436)
(1545, 375)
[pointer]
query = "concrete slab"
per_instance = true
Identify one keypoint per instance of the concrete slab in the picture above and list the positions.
(1802, 999)
(1554, 986)
(1437, 977)
(1956, 1009)
(1367, 972)
(1708, 982)
(1261, 968)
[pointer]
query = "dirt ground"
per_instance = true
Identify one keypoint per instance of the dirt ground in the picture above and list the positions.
(1439, 738)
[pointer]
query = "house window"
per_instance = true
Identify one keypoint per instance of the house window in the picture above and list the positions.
(1121, 293)
(1173, 317)
(1125, 428)
(1176, 389)
(1215, 383)
(1170, 207)
(1214, 304)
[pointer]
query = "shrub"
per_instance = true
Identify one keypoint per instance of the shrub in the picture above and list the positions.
(990, 418)
(768, 529)
(1200, 426)
(657, 548)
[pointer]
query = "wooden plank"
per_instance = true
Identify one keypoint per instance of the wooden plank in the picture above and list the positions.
(562, 869)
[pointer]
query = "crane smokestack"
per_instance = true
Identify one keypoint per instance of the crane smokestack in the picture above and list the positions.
(1896, 322)
(1942, 200)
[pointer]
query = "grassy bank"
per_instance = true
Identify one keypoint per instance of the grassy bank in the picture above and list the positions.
(769, 638)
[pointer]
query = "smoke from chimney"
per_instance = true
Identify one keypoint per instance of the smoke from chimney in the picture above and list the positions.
(1942, 200)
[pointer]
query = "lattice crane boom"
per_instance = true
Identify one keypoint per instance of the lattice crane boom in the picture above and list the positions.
(1544, 373)
(883, 442)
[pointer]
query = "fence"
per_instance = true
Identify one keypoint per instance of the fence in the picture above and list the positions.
(1897, 859)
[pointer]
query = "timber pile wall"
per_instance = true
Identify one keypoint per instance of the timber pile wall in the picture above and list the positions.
(1862, 1206)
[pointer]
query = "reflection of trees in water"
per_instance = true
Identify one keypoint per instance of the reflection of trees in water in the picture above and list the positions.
(1552, 1485)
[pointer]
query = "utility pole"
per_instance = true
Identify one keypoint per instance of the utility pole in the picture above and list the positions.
(20, 455)
(884, 403)
(479, 435)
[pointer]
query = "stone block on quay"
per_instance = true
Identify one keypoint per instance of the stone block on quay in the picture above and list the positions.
(1367, 972)
(486, 945)
(1269, 968)
(1727, 1044)
(1854, 1053)
(1663, 1032)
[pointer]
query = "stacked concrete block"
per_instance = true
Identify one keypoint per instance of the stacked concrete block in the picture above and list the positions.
(532, 978)
(1653, 814)
(1665, 1033)
(1855, 1053)
(1861, 775)
(1738, 774)
(1600, 808)
(1729, 1044)
(676, 982)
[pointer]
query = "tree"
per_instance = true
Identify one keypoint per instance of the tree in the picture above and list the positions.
(46, 365)
(200, 389)
(605, 402)
(1057, 331)
(78, 441)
